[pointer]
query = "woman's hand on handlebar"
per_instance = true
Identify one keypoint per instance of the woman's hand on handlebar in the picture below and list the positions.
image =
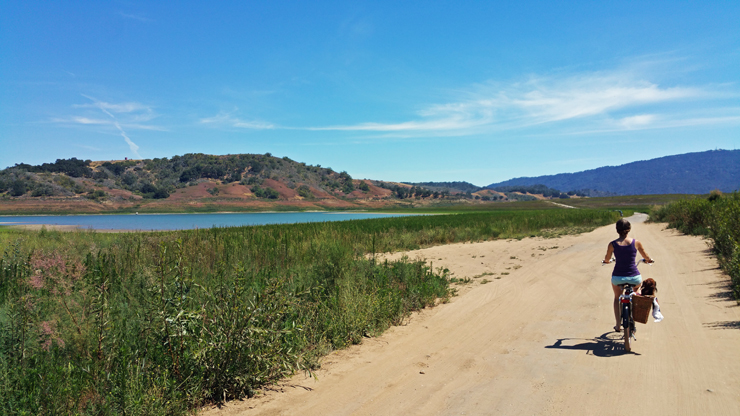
(651, 261)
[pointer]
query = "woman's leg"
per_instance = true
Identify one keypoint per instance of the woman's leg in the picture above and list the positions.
(617, 292)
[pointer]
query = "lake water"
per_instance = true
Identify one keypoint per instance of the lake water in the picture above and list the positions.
(159, 222)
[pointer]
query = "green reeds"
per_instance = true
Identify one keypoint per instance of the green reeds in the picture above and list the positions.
(161, 323)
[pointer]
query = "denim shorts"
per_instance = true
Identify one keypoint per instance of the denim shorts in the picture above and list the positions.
(633, 280)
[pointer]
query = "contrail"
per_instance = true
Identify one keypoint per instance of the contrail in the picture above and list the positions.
(134, 148)
(131, 145)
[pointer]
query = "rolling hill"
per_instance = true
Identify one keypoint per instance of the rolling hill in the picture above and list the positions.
(195, 182)
(689, 173)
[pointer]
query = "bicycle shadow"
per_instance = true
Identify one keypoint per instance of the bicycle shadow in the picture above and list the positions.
(608, 344)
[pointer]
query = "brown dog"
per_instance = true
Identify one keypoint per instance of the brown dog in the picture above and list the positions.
(649, 287)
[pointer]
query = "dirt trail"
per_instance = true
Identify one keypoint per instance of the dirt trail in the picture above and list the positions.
(538, 341)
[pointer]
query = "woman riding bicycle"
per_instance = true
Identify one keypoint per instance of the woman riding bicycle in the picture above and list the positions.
(625, 271)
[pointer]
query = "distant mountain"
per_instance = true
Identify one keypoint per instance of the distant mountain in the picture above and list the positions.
(690, 173)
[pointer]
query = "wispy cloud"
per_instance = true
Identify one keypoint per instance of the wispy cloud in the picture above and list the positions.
(104, 122)
(637, 121)
(586, 98)
(121, 117)
(228, 120)
(135, 17)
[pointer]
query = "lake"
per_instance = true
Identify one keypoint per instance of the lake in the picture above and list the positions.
(161, 222)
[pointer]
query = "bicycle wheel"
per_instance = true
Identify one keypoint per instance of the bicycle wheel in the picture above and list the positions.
(627, 327)
(627, 345)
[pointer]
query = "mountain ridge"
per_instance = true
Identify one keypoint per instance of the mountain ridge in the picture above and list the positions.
(687, 173)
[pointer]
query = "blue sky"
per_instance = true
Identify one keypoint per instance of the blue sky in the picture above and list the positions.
(402, 91)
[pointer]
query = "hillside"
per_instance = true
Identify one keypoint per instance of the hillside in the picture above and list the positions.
(452, 187)
(200, 182)
(690, 173)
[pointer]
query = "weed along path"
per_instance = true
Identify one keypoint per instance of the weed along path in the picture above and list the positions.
(531, 335)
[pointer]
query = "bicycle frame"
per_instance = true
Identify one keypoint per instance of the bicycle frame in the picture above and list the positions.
(628, 323)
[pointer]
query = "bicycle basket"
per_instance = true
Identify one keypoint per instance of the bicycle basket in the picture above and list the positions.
(641, 306)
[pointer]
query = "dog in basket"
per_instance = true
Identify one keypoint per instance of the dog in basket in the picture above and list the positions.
(650, 288)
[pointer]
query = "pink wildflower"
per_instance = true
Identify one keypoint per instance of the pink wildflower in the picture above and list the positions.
(54, 272)
(49, 335)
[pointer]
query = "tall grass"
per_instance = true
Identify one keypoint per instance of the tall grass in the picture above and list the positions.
(160, 323)
(717, 217)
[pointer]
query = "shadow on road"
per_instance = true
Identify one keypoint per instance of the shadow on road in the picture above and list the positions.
(723, 325)
(608, 344)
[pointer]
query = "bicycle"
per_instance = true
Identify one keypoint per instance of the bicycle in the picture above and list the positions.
(625, 302)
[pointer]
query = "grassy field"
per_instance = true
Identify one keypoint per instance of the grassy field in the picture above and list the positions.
(639, 203)
(161, 323)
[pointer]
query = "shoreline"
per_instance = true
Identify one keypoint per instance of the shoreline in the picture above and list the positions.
(72, 228)
(365, 211)
(21, 225)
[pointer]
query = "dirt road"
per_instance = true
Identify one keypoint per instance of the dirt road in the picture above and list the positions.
(538, 340)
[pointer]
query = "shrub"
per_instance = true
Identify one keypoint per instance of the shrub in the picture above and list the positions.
(18, 188)
(42, 190)
(268, 193)
(717, 217)
(304, 191)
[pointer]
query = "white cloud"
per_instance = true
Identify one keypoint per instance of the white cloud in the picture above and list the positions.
(641, 120)
(85, 120)
(584, 97)
(227, 120)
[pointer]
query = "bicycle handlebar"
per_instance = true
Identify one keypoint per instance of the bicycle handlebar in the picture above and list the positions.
(638, 262)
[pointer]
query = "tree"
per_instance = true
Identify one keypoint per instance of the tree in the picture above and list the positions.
(18, 188)
(129, 179)
(161, 193)
(304, 191)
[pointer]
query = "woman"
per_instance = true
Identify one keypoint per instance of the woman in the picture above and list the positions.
(625, 271)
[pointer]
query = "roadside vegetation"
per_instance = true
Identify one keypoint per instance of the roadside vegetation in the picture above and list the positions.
(639, 203)
(717, 217)
(161, 323)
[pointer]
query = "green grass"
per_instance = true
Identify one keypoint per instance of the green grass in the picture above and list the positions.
(633, 203)
(161, 323)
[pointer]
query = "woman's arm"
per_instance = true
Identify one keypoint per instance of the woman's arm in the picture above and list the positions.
(609, 252)
(642, 251)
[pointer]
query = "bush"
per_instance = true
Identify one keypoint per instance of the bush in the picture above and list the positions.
(304, 191)
(129, 179)
(717, 217)
(18, 188)
(42, 190)
(268, 193)
(161, 193)
(97, 194)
